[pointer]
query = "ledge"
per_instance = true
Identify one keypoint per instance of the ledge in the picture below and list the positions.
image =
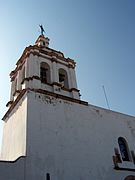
(27, 51)
(14, 104)
(9, 103)
(60, 96)
(21, 157)
(30, 79)
(56, 83)
(74, 89)
(50, 84)
(17, 91)
(124, 169)
(22, 92)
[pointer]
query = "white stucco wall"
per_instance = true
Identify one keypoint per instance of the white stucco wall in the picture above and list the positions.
(73, 141)
(14, 133)
(66, 139)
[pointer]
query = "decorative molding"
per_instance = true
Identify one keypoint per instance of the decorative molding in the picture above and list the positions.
(117, 160)
(21, 157)
(71, 66)
(17, 91)
(65, 89)
(22, 92)
(13, 74)
(124, 169)
(30, 79)
(116, 166)
(9, 103)
(50, 84)
(25, 54)
(54, 59)
(59, 96)
(49, 57)
(74, 89)
(52, 54)
(35, 77)
(46, 83)
(117, 155)
(56, 83)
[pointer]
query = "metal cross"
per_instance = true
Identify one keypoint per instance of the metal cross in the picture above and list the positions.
(42, 29)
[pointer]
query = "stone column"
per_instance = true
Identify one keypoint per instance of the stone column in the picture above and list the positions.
(55, 71)
(12, 90)
(36, 67)
(19, 79)
(72, 78)
(27, 68)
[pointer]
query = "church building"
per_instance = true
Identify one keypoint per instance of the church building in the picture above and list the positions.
(51, 134)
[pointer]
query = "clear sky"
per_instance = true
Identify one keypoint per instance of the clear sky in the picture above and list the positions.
(98, 34)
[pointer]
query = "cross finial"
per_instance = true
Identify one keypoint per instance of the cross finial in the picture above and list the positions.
(42, 29)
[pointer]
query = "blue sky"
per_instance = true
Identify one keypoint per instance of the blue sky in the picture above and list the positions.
(98, 34)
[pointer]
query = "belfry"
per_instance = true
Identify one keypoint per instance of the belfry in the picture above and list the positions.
(42, 68)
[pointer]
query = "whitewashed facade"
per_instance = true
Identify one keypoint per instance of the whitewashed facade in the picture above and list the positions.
(50, 134)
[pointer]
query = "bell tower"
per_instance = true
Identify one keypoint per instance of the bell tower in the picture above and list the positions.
(43, 68)
(43, 95)
(40, 70)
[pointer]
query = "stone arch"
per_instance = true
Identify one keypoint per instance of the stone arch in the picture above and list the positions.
(63, 78)
(124, 150)
(45, 72)
(130, 177)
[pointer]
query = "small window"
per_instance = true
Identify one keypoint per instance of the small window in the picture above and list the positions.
(123, 149)
(63, 78)
(45, 73)
(47, 176)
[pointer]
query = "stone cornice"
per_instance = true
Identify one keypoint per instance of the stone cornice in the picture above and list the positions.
(9, 103)
(124, 169)
(30, 79)
(16, 92)
(22, 92)
(48, 53)
(74, 89)
(50, 84)
(14, 161)
(51, 58)
(56, 83)
(60, 96)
